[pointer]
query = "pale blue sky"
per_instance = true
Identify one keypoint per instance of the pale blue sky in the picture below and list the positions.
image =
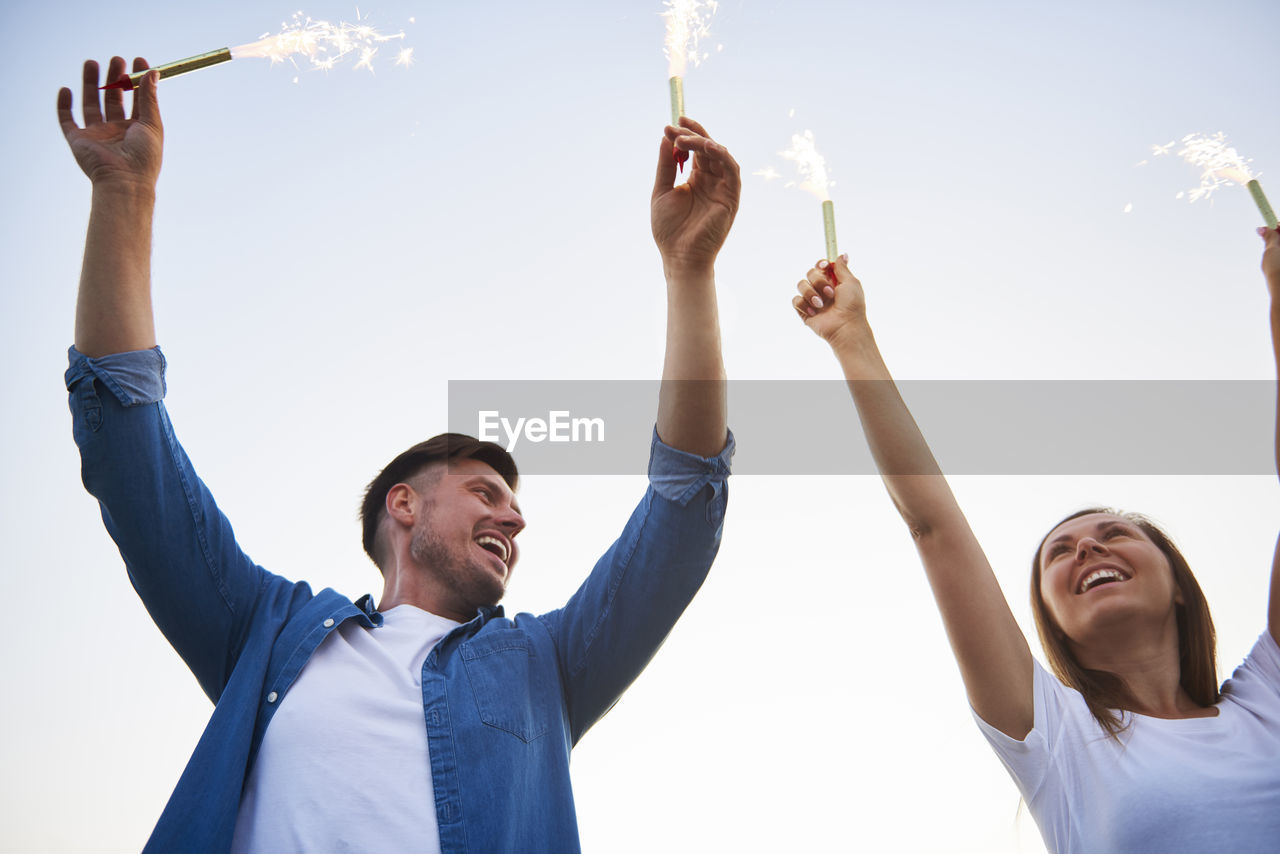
(329, 253)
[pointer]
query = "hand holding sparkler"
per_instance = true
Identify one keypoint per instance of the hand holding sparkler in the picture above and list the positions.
(832, 310)
(115, 148)
(122, 158)
(691, 221)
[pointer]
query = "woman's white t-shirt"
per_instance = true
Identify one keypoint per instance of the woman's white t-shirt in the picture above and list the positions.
(1167, 786)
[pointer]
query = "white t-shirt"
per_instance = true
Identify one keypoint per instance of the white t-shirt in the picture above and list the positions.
(1169, 786)
(343, 765)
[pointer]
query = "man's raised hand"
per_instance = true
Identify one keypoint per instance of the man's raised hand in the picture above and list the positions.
(110, 147)
(691, 221)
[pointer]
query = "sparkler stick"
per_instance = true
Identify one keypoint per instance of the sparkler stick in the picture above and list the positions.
(813, 175)
(686, 23)
(172, 69)
(1260, 199)
(677, 110)
(321, 43)
(829, 230)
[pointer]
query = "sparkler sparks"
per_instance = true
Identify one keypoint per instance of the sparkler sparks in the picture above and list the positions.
(812, 165)
(814, 179)
(688, 23)
(1220, 164)
(322, 44)
(366, 58)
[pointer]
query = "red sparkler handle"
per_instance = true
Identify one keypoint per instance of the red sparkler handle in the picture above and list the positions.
(681, 158)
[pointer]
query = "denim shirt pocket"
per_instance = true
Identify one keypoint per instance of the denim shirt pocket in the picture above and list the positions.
(510, 692)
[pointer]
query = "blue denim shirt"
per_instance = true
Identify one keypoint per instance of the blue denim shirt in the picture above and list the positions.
(504, 699)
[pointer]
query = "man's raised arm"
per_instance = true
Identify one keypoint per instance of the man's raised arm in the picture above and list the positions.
(121, 156)
(690, 223)
(181, 554)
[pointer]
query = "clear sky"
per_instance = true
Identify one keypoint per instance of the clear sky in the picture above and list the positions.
(330, 252)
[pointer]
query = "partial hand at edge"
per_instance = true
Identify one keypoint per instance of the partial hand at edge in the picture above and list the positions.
(1271, 258)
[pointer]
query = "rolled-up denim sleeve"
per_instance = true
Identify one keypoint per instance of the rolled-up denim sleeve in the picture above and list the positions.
(615, 622)
(679, 475)
(178, 548)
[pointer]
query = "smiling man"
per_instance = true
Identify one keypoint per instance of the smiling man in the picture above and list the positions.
(429, 720)
(440, 521)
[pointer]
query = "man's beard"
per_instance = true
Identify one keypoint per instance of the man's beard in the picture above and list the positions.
(469, 579)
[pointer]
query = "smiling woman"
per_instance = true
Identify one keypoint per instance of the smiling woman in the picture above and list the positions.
(1132, 747)
(1106, 535)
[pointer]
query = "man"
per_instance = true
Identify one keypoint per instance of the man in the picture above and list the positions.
(429, 721)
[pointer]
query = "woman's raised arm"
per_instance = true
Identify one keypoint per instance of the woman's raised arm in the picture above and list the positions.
(1271, 269)
(994, 658)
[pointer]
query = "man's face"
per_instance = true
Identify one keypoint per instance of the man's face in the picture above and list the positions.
(465, 534)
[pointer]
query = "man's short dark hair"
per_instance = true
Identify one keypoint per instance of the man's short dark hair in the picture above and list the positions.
(437, 449)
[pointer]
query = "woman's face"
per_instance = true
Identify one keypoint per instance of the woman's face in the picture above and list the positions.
(1100, 569)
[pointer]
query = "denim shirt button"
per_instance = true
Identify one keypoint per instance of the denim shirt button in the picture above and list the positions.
(271, 698)
(328, 624)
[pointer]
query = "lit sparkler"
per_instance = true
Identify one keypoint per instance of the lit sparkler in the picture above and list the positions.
(1220, 164)
(1264, 207)
(321, 43)
(814, 179)
(172, 69)
(687, 26)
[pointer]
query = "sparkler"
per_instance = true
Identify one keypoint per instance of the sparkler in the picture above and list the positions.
(172, 69)
(1220, 165)
(687, 24)
(677, 100)
(829, 229)
(323, 44)
(1259, 199)
(813, 174)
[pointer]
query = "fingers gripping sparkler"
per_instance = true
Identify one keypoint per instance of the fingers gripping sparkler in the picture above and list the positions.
(320, 43)
(687, 25)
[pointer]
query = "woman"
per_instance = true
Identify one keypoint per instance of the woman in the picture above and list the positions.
(1129, 746)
